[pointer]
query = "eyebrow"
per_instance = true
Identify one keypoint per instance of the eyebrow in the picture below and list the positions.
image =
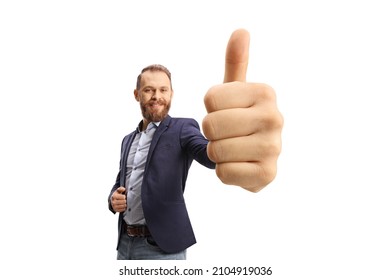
(152, 87)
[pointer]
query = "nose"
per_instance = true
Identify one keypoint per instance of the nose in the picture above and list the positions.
(157, 94)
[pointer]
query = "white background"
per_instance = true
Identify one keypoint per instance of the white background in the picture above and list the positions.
(68, 69)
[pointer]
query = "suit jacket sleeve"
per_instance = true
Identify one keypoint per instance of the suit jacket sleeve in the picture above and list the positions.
(195, 143)
(117, 181)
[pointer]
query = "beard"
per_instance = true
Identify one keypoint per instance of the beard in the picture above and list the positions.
(154, 115)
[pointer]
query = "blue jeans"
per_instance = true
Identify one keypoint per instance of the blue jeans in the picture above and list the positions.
(144, 248)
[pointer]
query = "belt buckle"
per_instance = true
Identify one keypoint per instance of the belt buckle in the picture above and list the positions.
(138, 231)
(129, 231)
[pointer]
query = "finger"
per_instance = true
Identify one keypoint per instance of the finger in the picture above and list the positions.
(238, 122)
(119, 203)
(250, 175)
(228, 123)
(238, 95)
(121, 198)
(227, 96)
(248, 148)
(237, 53)
(120, 208)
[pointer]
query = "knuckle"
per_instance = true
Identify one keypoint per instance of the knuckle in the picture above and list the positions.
(215, 151)
(208, 127)
(275, 149)
(269, 119)
(266, 92)
(278, 120)
(209, 99)
(268, 172)
(262, 94)
(223, 173)
(266, 104)
(274, 146)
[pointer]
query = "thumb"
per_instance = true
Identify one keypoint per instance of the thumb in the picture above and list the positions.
(237, 53)
(121, 190)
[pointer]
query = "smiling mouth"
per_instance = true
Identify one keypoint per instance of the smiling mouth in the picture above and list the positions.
(155, 105)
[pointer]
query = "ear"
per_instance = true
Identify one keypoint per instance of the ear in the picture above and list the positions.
(136, 95)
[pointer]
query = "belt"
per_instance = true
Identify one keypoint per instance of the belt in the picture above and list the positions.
(135, 231)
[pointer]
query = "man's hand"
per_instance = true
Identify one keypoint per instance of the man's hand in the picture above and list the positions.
(118, 200)
(243, 123)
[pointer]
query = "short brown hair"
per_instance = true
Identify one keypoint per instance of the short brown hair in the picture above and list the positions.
(154, 67)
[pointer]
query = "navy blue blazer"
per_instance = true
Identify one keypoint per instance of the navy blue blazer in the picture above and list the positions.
(175, 144)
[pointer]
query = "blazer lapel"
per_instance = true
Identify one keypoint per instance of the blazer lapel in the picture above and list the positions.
(125, 154)
(160, 130)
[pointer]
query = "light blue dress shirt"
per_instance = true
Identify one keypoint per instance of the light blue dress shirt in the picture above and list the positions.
(136, 162)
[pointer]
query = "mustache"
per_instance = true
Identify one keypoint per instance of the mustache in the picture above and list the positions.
(158, 102)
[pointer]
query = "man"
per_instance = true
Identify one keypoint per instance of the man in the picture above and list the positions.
(155, 158)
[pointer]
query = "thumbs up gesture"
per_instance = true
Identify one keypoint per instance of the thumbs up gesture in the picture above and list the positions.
(243, 123)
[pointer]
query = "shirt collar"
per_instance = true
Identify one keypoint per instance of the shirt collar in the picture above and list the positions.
(139, 128)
